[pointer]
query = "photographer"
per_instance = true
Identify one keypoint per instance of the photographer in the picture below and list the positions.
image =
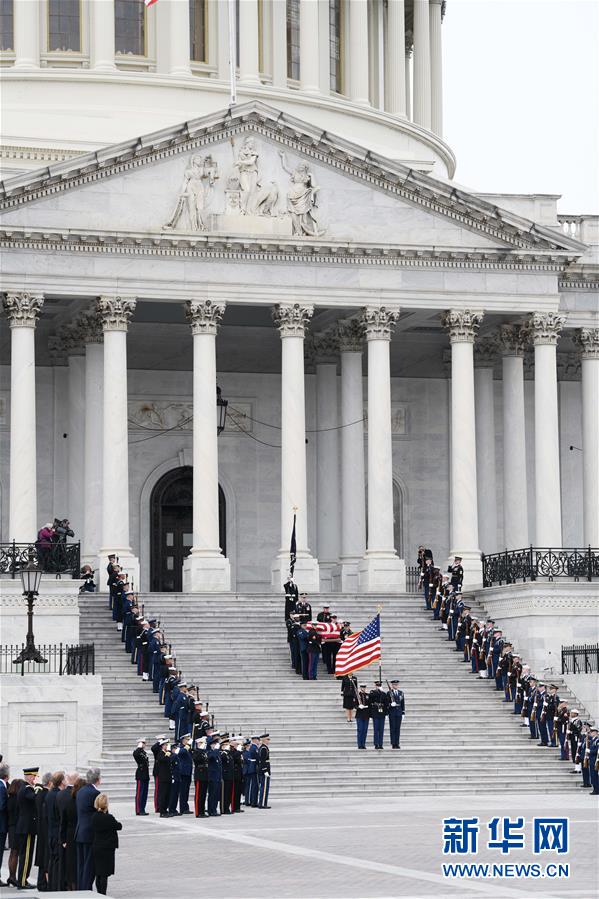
(88, 585)
(61, 531)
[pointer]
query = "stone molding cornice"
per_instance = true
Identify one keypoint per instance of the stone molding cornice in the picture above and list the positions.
(379, 321)
(587, 339)
(292, 318)
(513, 339)
(385, 174)
(91, 327)
(545, 328)
(578, 281)
(462, 324)
(204, 316)
(114, 312)
(15, 601)
(485, 351)
(22, 309)
(350, 335)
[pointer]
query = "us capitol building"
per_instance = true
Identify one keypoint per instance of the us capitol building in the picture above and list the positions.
(404, 360)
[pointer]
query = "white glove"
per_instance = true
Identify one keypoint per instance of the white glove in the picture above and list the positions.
(393, 704)
(361, 706)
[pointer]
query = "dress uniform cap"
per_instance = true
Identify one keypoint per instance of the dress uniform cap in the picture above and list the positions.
(256, 737)
(395, 680)
(31, 770)
(160, 737)
(185, 737)
(264, 736)
(362, 685)
(247, 741)
(183, 683)
(164, 741)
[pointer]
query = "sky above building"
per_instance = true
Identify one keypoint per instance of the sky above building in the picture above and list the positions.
(521, 97)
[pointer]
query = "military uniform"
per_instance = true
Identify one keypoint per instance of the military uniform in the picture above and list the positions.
(185, 773)
(397, 709)
(362, 717)
(142, 778)
(215, 775)
(378, 705)
(26, 827)
(263, 772)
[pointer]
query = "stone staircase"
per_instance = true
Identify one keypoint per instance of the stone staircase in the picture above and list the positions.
(235, 649)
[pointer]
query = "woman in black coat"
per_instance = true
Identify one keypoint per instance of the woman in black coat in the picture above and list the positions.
(13, 840)
(105, 842)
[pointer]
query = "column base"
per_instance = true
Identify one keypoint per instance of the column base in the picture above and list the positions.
(381, 574)
(345, 576)
(206, 574)
(128, 563)
(306, 574)
(473, 568)
(326, 576)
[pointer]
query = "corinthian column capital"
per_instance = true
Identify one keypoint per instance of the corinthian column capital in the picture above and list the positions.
(91, 327)
(485, 352)
(545, 327)
(350, 335)
(204, 316)
(462, 324)
(513, 339)
(292, 318)
(379, 321)
(114, 312)
(587, 339)
(22, 309)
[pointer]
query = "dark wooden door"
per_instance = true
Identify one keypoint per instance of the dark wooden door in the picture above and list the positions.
(176, 539)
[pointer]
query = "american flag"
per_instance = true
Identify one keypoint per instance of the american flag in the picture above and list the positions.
(328, 630)
(360, 649)
(149, 2)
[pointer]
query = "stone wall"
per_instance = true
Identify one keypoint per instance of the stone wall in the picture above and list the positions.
(56, 612)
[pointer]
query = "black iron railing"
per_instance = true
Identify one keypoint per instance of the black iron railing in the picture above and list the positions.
(52, 558)
(60, 659)
(582, 659)
(412, 578)
(535, 562)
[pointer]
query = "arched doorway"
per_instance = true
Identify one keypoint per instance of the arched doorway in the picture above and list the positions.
(171, 528)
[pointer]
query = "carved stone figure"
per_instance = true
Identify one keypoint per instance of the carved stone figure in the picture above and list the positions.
(256, 198)
(302, 199)
(196, 192)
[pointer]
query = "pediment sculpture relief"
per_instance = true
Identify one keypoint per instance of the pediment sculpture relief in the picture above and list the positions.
(253, 202)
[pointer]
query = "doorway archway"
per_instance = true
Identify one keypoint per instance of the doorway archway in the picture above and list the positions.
(171, 528)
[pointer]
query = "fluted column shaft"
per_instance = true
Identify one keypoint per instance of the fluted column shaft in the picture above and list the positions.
(327, 488)
(279, 43)
(515, 482)
(588, 340)
(76, 441)
(249, 62)
(353, 486)
(22, 310)
(462, 326)
(395, 47)
(179, 37)
(422, 64)
(484, 397)
(93, 449)
(545, 329)
(358, 51)
(102, 43)
(309, 44)
(436, 52)
(26, 23)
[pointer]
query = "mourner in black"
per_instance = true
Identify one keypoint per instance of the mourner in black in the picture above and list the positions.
(26, 827)
(142, 777)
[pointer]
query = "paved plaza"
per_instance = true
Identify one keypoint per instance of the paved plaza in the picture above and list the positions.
(346, 849)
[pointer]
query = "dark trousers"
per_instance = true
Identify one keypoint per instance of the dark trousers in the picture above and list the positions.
(225, 797)
(263, 790)
(174, 797)
(2, 847)
(141, 796)
(164, 792)
(395, 729)
(214, 789)
(102, 884)
(532, 725)
(26, 855)
(54, 865)
(251, 790)
(155, 793)
(85, 866)
(543, 731)
(326, 655)
(378, 726)
(184, 787)
(237, 788)
(305, 666)
(594, 775)
(362, 731)
(201, 793)
(313, 661)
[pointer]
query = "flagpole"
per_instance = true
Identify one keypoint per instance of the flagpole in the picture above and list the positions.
(232, 52)
(379, 609)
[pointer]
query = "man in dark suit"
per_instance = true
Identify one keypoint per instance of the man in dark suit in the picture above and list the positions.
(26, 827)
(67, 819)
(4, 774)
(53, 829)
(83, 833)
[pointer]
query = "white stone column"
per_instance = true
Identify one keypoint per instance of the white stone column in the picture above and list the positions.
(279, 43)
(422, 64)
(327, 482)
(545, 329)
(485, 353)
(309, 46)
(205, 570)
(93, 453)
(291, 320)
(515, 504)
(22, 310)
(179, 37)
(408, 81)
(101, 35)
(114, 313)
(353, 482)
(358, 52)
(436, 51)
(395, 75)
(462, 326)
(248, 43)
(26, 24)
(588, 341)
(380, 571)
(220, 8)
(76, 432)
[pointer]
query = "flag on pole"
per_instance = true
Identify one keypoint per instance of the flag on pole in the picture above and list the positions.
(292, 549)
(360, 649)
(149, 2)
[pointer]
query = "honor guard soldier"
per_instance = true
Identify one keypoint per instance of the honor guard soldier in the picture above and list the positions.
(530, 707)
(303, 609)
(291, 596)
(228, 775)
(173, 801)
(574, 735)
(263, 771)
(562, 726)
(26, 826)
(200, 777)
(185, 772)
(553, 702)
(541, 716)
(163, 774)
(142, 777)
(251, 777)
(236, 742)
(397, 709)
(594, 760)
(215, 775)
(456, 573)
(378, 705)
(362, 717)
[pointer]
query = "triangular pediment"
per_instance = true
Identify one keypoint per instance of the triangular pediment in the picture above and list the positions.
(254, 171)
